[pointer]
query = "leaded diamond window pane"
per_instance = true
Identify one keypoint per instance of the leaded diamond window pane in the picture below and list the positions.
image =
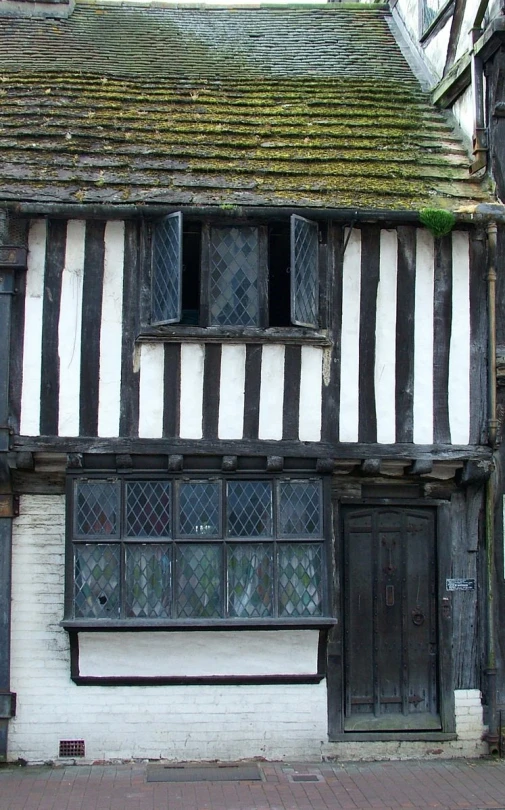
(304, 272)
(148, 581)
(96, 581)
(167, 270)
(199, 509)
(300, 509)
(96, 508)
(250, 580)
(198, 575)
(300, 589)
(148, 509)
(234, 268)
(249, 509)
(430, 11)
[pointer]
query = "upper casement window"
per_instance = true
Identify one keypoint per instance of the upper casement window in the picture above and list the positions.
(235, 275)
(431, 13)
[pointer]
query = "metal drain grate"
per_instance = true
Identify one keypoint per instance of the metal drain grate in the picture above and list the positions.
(305, 777)
(72, 748)
(203, 773)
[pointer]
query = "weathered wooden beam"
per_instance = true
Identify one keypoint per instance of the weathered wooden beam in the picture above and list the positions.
(341, 452)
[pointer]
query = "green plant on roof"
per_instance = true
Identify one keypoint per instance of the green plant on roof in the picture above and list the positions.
(438, 221)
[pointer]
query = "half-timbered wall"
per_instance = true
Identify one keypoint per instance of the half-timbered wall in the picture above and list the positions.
(403, 360)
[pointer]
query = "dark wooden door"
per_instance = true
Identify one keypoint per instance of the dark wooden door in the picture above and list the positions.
(390, 619)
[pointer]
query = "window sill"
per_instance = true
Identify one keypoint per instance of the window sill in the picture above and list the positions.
(216, 334)
(104, 625)
(393, 736)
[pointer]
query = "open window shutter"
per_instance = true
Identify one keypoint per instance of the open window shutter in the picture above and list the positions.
(166, 253)
(304, 272)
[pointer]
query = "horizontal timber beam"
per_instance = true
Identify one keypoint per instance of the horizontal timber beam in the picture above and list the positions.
(201, 447)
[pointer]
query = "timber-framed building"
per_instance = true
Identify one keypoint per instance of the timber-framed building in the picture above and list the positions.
(246, 408)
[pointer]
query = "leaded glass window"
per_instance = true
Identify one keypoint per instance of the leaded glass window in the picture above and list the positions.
(224, 275)
(304, 272)
(166, 260)
(430, 10)
(183, 549)
(234, 277)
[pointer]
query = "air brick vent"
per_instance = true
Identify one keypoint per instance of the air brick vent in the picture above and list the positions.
(72, 748)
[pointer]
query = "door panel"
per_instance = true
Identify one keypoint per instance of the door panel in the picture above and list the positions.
(390, 619)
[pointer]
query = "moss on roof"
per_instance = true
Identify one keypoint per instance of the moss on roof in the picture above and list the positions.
(268, 106)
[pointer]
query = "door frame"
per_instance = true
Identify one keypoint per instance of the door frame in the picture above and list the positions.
(336, 651)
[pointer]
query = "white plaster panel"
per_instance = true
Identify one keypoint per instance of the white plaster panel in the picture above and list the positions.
(276, 721)
(465, 37)
(409, 13)
(310, 394)
(385, 339)
(435, 51)
(191, 416)
(69, 329)
(195, 653)
(32, 342)
(349, 351)
(231, 392)
(271, 392)
(463, 111)
(152, 370)
(423, 339)
(109, 385)
(459, 353)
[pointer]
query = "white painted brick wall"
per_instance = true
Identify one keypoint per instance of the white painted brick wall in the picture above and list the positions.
(468, 708)
(173, 722)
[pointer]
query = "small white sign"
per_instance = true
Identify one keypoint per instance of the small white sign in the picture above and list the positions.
(460, 584)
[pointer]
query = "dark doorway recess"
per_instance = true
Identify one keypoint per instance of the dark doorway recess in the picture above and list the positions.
(390, 615)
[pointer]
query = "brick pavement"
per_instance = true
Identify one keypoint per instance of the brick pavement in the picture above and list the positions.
(443, 784)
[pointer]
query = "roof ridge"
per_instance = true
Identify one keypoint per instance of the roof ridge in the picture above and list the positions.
(247, 5)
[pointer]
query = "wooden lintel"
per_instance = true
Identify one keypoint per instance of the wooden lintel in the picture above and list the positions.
(47, 447)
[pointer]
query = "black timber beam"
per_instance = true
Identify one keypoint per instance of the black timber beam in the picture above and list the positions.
(288, 449)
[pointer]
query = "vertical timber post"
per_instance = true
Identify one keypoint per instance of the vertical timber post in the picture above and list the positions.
(492, 736)
(11, 258)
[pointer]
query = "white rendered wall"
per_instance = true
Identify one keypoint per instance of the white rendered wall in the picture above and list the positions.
(463, 112)
(198, 653)
(436, 50)
(173, 722)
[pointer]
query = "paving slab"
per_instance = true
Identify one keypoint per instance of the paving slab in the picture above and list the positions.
(391, 785)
